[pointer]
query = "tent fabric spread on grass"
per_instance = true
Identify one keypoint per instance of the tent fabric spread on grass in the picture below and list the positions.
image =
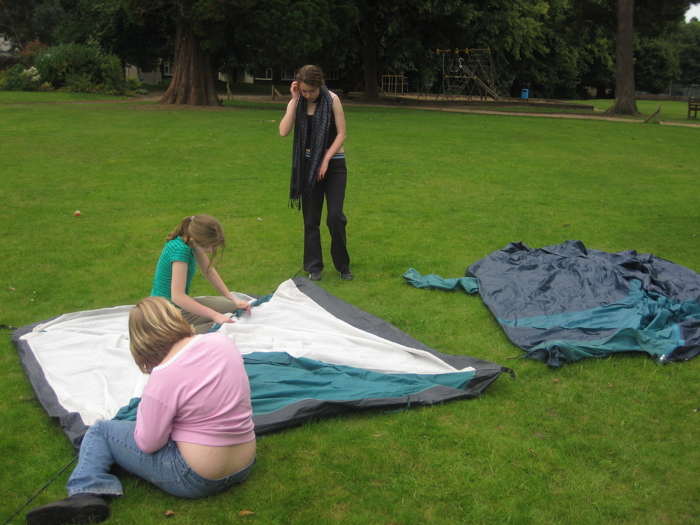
(308, 354)
(565, 302)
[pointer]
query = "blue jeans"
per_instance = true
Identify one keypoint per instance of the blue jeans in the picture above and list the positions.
(112, 442)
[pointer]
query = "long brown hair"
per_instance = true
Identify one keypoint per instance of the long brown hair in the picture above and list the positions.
(203, 230)
(311, 75)
(155, 325)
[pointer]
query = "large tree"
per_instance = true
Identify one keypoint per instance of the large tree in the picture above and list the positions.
(193, 81)
(651, 18)
(202, 28)
(625, 99)
(214, 35)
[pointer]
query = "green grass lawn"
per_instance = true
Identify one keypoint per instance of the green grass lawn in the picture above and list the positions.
(608, 441)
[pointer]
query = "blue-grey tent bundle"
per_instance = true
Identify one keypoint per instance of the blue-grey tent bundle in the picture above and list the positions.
(565, 302)
(308, 355)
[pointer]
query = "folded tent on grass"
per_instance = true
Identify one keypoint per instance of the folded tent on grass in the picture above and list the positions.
(308, 355)
(564, 303)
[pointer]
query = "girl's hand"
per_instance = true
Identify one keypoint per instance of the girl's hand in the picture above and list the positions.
(322, 170)
(243, 305)
(295, 89)
(222, 319)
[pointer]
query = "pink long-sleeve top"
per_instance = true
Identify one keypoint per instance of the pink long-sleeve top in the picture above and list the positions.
(201, 395)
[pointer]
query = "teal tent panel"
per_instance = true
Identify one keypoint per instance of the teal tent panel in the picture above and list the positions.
(280, 380)
(639, 308)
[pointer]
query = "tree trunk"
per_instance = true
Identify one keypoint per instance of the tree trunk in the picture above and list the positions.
(625, 100)
(369, 38)
(193, 79)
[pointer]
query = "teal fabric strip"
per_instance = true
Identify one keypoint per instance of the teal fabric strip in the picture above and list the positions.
(640, 310)
(644, 322)
(435, 282)
(128, 412)
(659, 344)
(279, 380)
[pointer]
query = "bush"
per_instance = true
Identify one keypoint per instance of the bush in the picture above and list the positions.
(133, 83)
(80, 83)
(81, 68)
(113, 74)
(59, 63)
(19, 79)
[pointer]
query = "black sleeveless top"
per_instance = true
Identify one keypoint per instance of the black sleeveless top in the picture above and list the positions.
(332, 131)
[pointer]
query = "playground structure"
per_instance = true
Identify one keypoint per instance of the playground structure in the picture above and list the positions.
(394, 84)
(468, 73)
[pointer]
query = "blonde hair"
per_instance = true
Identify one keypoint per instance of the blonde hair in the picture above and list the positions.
(155, 325)
(203, 230)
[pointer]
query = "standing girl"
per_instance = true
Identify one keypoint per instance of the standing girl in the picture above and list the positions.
(318, 167)
(195, 242)
(193, 435)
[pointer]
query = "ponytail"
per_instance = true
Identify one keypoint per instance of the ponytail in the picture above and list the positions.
(182, 230)
(203, 230)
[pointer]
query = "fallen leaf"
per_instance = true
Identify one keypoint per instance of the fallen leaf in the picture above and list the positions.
(246, 512)
(169, 513)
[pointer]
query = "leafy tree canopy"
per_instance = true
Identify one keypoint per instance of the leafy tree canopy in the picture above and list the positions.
(555, 47)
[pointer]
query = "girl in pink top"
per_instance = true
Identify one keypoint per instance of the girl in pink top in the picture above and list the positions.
(193, 434)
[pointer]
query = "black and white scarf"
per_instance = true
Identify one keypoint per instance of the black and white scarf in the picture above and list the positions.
(303, 182)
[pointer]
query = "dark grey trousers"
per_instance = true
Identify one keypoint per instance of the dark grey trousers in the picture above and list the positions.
(332, 189)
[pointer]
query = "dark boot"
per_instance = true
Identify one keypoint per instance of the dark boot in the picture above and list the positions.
(79, 508)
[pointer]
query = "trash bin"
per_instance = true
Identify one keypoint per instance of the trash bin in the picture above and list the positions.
(525, 93)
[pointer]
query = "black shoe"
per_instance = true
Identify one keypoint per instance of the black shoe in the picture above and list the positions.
(316, 276)
(347, 275)
(79, 508)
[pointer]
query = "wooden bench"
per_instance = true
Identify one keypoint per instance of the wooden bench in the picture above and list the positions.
(694, 106)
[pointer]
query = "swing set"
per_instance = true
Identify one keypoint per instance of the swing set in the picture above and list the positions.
(468, 73)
